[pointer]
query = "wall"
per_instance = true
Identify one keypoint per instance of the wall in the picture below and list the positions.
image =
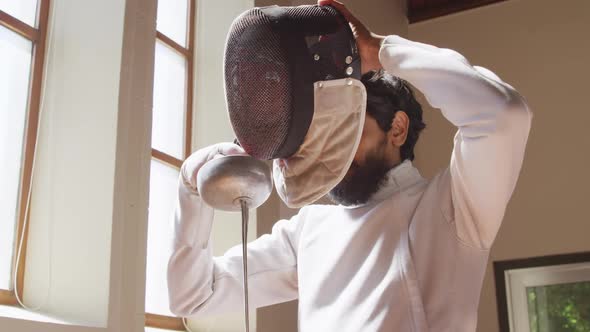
(542, 48)
(73, 183)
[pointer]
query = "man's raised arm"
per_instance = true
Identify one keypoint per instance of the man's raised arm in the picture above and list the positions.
(200, 284)
(493, 124)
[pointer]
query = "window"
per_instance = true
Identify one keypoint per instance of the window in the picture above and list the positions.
(23, 26)
(540, 294)
(171, 137)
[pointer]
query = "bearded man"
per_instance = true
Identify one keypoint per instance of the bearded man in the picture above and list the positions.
(398, 252)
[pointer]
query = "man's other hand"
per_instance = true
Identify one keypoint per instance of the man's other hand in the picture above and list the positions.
(368, 42)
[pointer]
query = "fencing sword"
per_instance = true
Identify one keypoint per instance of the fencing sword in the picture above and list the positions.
(236, 183)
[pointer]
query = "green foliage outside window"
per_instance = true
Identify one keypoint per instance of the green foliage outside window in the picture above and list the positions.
(559, 308)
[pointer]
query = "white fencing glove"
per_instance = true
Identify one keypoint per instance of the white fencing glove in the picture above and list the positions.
(195, 161)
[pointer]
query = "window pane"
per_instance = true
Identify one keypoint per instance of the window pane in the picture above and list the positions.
(169, 101)
(15, 65)
(163, 189)
(24, 10)
(172, 19)
(563, 307)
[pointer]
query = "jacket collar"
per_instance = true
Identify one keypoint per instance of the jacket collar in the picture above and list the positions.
(397, 179)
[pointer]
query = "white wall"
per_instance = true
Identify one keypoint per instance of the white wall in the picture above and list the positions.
(542, 48)
(211, 121)
(74, 171)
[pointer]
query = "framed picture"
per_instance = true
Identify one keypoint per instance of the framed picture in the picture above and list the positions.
(544, 294)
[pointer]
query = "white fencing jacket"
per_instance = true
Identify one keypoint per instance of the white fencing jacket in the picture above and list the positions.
(413, 258)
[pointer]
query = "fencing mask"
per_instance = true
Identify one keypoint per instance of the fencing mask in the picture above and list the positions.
(293, 90)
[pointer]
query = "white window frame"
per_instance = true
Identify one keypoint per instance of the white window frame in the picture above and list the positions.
(515, 276)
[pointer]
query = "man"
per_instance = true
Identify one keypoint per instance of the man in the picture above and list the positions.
(400, 253)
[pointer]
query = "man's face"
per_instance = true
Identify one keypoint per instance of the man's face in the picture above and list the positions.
(371, 163)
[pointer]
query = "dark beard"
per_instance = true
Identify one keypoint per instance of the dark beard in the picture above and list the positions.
(364, 181)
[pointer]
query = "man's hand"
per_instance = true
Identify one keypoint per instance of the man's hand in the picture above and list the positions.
(368, 42)
(191, 166)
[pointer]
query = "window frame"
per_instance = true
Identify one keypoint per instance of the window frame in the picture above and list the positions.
(156, 320)
(512, 276)
(38, 36)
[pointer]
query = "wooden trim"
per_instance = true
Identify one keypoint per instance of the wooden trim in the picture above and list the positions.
(18, 26)
(500, 268)
(172, 44)
(7, 297)
(164, 322)
(166, 158)
(189, 80)
(445, 8)
(31, 138)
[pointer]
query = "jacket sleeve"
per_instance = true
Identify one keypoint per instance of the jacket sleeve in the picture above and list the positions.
(493, 123)
(200, 284)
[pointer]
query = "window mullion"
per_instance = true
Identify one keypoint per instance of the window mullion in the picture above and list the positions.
(172, 44)
(7, 297)
(166, 158)
(190, 80)
(18, 26)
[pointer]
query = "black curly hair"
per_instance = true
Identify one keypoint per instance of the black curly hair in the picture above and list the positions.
(387, 94)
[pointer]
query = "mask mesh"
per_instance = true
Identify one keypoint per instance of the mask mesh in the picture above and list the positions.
(263, 78)
(256, 63)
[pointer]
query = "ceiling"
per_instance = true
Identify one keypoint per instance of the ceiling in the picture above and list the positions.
(420, 10)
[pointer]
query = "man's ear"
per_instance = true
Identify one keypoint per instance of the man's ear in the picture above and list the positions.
(399, 129)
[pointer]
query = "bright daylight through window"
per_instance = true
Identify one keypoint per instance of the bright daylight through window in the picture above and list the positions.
(15, 64)
(23, 27)
(171, 137)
